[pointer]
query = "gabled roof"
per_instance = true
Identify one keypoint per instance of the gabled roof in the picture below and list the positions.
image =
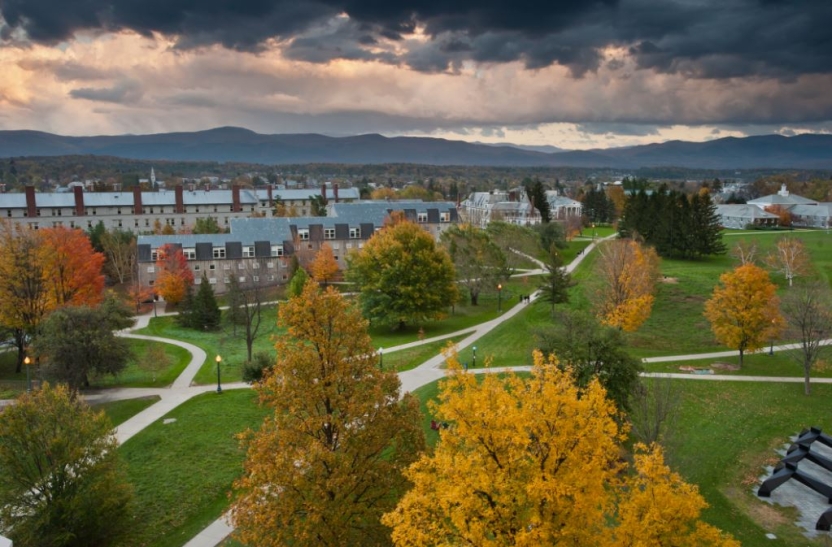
(743, 211)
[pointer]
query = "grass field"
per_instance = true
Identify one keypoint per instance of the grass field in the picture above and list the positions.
(132, 376)
(121, 411)
(182, 472)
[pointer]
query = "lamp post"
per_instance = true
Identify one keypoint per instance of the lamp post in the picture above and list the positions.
(219, 387)
(499, 298)
(593, 231)
(474, 360)
(27, 362)
(381, 358)
(771, 349)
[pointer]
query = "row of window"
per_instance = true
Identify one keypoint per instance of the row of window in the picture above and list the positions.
(227, 266)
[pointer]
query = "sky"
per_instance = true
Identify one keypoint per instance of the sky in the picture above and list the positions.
(575, 74)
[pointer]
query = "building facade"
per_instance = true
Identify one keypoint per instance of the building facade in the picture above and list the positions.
(260, 250)
(178, 207)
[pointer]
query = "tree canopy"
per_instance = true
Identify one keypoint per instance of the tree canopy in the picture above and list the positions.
(326, 464)
(61, 484)
(744, 309)
(479, 263)
(537, 461)
(173, 277)
(627, 272)
(403, 276)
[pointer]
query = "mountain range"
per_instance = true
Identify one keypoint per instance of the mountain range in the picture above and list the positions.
(233, 144)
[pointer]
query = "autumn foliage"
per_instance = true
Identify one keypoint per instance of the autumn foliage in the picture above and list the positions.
(744, 309)
(327, 463)
(537, 461)
(324, 267)
(628, 273)
(174, 276)
(71, 268)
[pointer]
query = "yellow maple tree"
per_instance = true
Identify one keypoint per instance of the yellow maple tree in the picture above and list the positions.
(744, 310)
(628, 273)
(326, 464)
(537, 461)
(324, 267)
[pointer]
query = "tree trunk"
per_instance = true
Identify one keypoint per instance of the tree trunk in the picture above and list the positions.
(475, 297)
(742, 351)
(20, 342)
(806, 387)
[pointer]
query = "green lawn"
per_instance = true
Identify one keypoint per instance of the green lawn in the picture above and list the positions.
(724, 433)
(182, 472)
(757, 364)
(133, 375)
(121, 411)
(407, 359)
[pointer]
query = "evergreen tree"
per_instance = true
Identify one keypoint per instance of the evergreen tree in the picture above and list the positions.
(297, 282)
(537, 195)
(206, 312)
(556, 282)
(708, 236)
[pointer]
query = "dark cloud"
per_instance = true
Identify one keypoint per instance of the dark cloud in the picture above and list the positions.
(699, 39)
(123, 92)
(628, 129)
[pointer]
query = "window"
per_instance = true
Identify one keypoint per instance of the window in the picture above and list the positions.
(242, 279)
(422, 217)
(248, 252)
(226, 280)
(226, 266)
(190, 254)
(72, 224)
(154, 255)
(355, 233)
(197, 280)
(255, 278)
(336, 246)
(255, 265)
(147, 223)
(151, 269)
(271, 278)
(270, 264)
(212, 280)
(197, 267)
(241, 266)
(329, 233)
(444, 217)
(349, 245)
(303, 235)
(277, 250)
(219, 252)
(285, 277)
(212, 267)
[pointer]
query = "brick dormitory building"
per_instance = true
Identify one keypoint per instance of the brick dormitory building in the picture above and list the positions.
(259, 250)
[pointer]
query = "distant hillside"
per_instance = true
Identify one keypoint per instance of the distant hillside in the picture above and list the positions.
(231, 144)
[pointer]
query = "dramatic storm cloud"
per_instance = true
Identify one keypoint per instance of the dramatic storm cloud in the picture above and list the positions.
(573, 73)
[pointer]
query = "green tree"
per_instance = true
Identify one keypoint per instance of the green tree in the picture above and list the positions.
(403, 277)
(537, 196)
(76, 343)
(555, 286)
(479, 263)
(62, 483)
(205, 312)
(207, 225)
(326, 462)
(298, 282)
(318, 206)
(592, 351)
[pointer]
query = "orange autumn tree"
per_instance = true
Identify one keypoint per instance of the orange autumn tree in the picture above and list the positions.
(628, 272)
(744, 310)
(174, 275)
(537, 461)
(72, 269)
(327, 460)
(324, 267)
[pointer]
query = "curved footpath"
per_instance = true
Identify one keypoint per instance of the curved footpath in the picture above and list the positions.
(181, 390)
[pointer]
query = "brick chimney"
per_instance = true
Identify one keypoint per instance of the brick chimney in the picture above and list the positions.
(323, 191)
(137, 200)
(271, 197)
(235, 198)
(180, 199)
(335, 190)
(31, 205)
(79, 201)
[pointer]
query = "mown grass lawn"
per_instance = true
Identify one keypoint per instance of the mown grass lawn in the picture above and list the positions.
(132, 376)
(182, 472)
(724, 434)
(121, 411)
